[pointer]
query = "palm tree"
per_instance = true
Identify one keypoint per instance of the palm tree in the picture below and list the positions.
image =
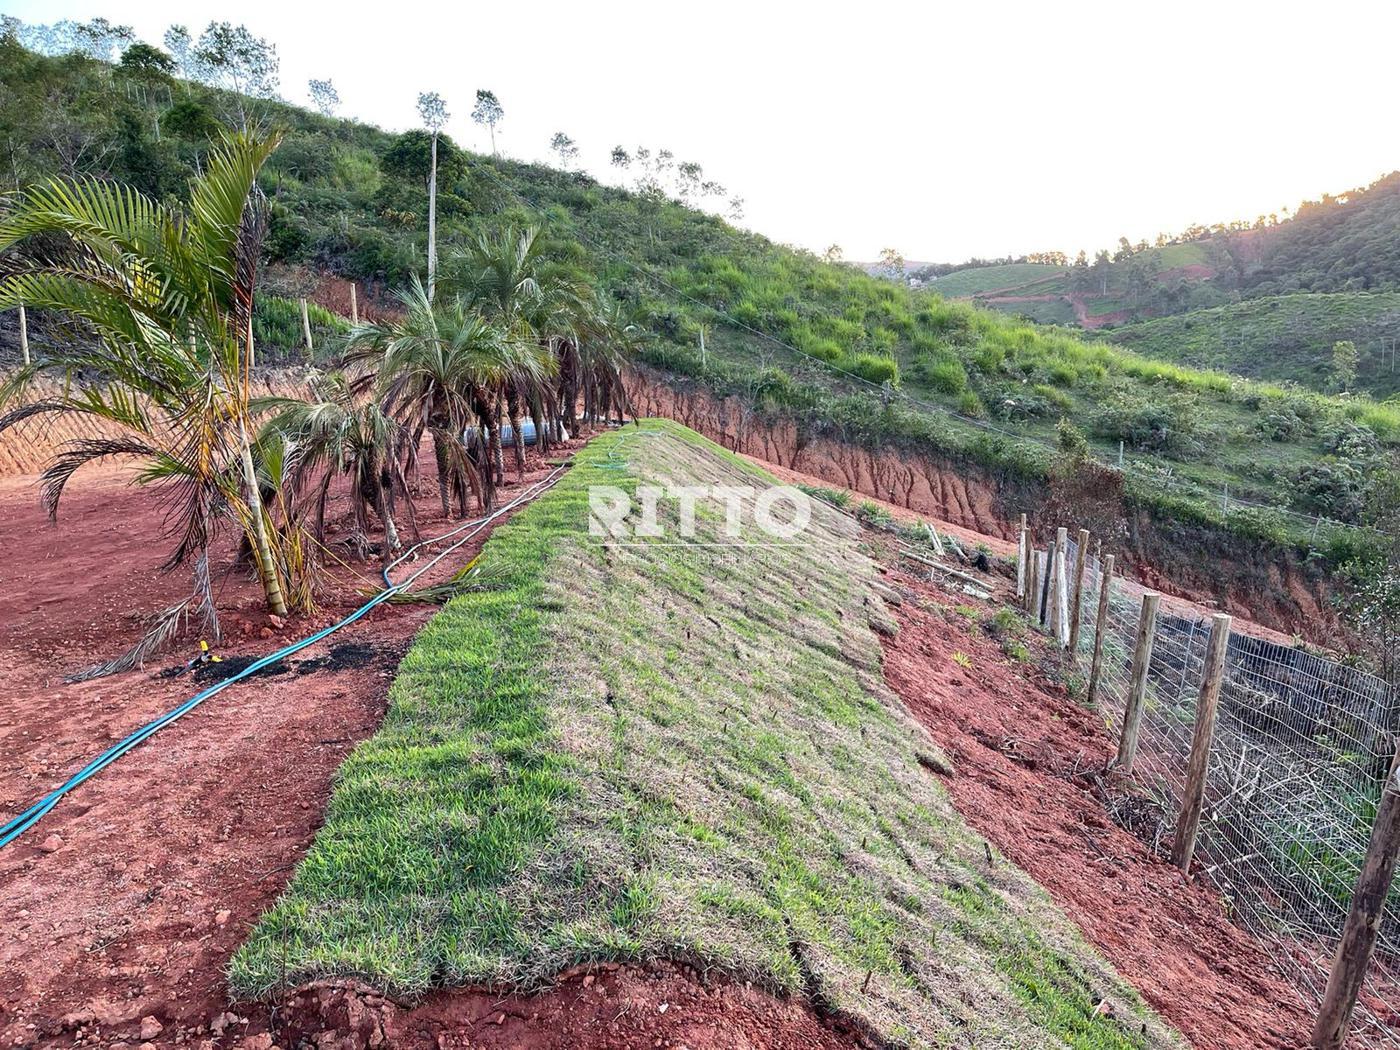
(333, 433)
(443, 368)
(509, 277)
(167, 295)
(605, 345)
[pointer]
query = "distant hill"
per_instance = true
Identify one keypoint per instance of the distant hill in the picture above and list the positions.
(1147, 282)
(1282, 338)
(1347, 242)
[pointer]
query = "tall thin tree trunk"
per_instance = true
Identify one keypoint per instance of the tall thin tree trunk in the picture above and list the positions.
(432, 220)
(262, 549)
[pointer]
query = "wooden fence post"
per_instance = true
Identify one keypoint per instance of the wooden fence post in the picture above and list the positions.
(1047, 588)
(1076, 610)
(934, 539)
(1042, 585)
(24, 333)
(354, 305)
(1363, 919)
(1188, 821)
(1100, 626)
(1032, 579)
(1137, 687)
(1059, 613)
(1021, 559)
(306, 330)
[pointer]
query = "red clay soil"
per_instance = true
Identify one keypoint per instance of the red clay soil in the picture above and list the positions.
(1026, 759)
(126, 901)
(121, 909)
(603, 1008)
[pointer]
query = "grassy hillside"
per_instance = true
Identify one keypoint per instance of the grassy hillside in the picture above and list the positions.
(793, 334)
(635, 749)
(983, 279)
(1281, 338)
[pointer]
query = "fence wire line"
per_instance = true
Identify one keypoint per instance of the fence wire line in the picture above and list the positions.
(1301, 749)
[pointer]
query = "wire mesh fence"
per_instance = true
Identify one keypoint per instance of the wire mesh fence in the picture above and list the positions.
(1301, 750)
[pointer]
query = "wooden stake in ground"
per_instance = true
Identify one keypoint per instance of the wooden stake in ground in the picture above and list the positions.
(1059, 600)
(1028, 538)
(1363, 919)
(1076, 592)
(1042, 585)
(1021, 559)
(1188, 821)
(354, 305)
(1052, 599)
(1100, 628)
(306, 331)
(1137, 686)
(24, 338)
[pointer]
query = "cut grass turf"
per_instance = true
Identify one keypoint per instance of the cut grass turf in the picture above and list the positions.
(676, 750)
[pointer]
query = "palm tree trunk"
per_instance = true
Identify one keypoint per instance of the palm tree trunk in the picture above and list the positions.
(440, 454)
(495, 460)
(498, 457)
(391, 532)
(513, 408)
(262, 549)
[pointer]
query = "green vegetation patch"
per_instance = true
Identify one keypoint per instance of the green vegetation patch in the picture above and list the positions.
(1283, 338)
(635, 749)
(980, 280)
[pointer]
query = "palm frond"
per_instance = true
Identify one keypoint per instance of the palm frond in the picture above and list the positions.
(167, 625)
(78, 454)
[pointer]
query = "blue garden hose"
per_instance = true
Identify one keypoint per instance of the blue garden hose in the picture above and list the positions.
(31, 816)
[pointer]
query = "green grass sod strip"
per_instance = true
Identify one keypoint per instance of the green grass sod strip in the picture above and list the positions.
(684, 750)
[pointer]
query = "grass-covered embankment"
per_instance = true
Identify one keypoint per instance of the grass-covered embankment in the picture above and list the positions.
(676, 749)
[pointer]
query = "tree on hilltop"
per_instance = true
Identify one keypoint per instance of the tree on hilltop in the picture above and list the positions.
(324, 96)
(488, 112)
(432, 110)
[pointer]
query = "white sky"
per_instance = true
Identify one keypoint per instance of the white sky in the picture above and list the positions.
(943, 130)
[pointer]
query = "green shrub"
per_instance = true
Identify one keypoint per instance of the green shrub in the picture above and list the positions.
(970, 405)
(874, 514)
(944, 374)
(1055, 396)
(836, 497)
(1151, 422)
(875, 368)
(989, 358)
